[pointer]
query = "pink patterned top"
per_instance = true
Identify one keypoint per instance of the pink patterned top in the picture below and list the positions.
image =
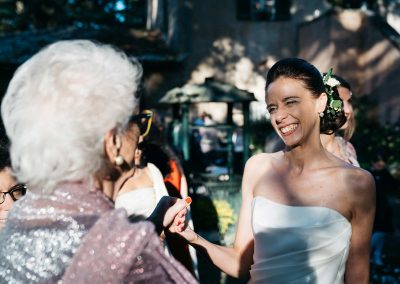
(346, 151)
(75, 236)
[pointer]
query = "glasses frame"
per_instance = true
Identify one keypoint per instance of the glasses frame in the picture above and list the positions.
(146, 114)
(18, 187)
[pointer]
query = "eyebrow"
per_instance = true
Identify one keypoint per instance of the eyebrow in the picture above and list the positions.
(290, 98)
(284, 100)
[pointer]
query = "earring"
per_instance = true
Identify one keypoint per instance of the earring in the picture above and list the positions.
(119, 160)
(321, 114)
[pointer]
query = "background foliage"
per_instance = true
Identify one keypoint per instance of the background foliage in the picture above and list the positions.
(22, 15)
(372, 138)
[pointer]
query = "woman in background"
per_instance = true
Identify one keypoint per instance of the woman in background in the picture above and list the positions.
(141, 193)
(10, 190)
(334, 143)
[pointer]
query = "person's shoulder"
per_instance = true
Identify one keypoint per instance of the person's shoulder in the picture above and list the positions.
(359, 183)
(264, 158)
(153, 168)
(358, 177)
(261, 163)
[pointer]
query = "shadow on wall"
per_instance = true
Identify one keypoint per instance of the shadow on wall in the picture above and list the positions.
(357, 50)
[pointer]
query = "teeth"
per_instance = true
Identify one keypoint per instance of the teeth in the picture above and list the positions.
(288, 128)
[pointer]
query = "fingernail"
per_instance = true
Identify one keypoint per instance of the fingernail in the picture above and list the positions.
(188, 200)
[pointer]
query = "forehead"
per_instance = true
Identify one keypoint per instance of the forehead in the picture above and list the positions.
(344, 93)
(285, 87)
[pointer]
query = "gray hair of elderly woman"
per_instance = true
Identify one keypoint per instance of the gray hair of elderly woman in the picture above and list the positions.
(60, 104)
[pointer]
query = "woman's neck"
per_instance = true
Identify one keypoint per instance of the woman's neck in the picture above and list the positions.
(111, 188)
(309, 155)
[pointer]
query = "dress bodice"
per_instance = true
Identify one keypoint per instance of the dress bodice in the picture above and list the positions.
(139, 202)
(295, 244)
(142, 201)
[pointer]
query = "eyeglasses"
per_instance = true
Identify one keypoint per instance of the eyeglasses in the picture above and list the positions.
(144, 121)
(16, 192)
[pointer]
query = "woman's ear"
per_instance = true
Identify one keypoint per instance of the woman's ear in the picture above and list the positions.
(321, 102)
(112, 143)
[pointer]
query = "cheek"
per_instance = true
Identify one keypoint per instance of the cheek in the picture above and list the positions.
(7, 204)
(347, 107)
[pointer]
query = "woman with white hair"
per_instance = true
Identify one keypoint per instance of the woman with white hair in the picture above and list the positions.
(70, 114)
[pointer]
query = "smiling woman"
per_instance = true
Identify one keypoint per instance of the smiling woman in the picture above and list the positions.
(306, 216)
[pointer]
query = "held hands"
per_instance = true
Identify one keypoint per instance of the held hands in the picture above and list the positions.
(166, 211)
(180, 226)
(170, 214)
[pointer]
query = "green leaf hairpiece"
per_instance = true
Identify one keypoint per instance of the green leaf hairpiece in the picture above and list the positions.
(334, 105)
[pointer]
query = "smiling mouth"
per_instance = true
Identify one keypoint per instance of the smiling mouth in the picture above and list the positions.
(287, 130)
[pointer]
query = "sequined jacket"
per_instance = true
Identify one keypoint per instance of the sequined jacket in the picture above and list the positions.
(75, 236)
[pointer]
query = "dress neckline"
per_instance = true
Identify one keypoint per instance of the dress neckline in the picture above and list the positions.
(334, 211)
(135, 191)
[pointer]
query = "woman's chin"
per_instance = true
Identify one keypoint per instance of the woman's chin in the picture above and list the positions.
(291, 140)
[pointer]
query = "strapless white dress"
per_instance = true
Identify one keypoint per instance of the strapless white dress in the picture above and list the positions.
(295, 244)
(142, 201)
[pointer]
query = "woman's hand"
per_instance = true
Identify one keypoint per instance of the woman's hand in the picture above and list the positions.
(180, 227)
(166, 210)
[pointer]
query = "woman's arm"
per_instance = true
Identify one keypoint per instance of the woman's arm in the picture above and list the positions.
(362, 190)
(236, 260)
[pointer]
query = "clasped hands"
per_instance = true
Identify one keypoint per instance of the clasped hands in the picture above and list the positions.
(170, 214)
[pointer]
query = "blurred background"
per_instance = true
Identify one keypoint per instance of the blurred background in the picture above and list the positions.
(205, 64)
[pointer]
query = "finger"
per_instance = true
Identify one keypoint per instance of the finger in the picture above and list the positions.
(173, 211)
(182, 213)
(178, 206)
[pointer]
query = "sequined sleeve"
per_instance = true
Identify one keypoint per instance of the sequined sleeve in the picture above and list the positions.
(116, 251)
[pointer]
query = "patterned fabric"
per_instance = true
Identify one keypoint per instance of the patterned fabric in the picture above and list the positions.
(45, 234)
(346, 151)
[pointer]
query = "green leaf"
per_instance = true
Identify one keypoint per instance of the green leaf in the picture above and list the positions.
(336, 104)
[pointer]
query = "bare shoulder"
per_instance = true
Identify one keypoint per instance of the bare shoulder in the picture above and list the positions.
(359, 180)
(262, 161)
(264, 157)
(360, 186)
(256, 167)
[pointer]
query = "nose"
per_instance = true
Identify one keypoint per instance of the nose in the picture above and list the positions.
(280, 115)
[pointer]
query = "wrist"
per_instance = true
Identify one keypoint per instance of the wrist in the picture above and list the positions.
(196, 240)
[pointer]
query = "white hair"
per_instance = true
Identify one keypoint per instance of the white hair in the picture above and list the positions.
(60, 104)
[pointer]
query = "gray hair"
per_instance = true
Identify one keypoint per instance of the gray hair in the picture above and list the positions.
(60, 104)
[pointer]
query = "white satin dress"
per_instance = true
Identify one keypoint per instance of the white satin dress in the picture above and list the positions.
(296, 244)
(142, 201)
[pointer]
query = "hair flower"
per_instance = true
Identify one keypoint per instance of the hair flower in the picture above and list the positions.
(334, 104)
(332, 82)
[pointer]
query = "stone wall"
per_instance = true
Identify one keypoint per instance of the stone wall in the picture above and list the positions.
(238, 52)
